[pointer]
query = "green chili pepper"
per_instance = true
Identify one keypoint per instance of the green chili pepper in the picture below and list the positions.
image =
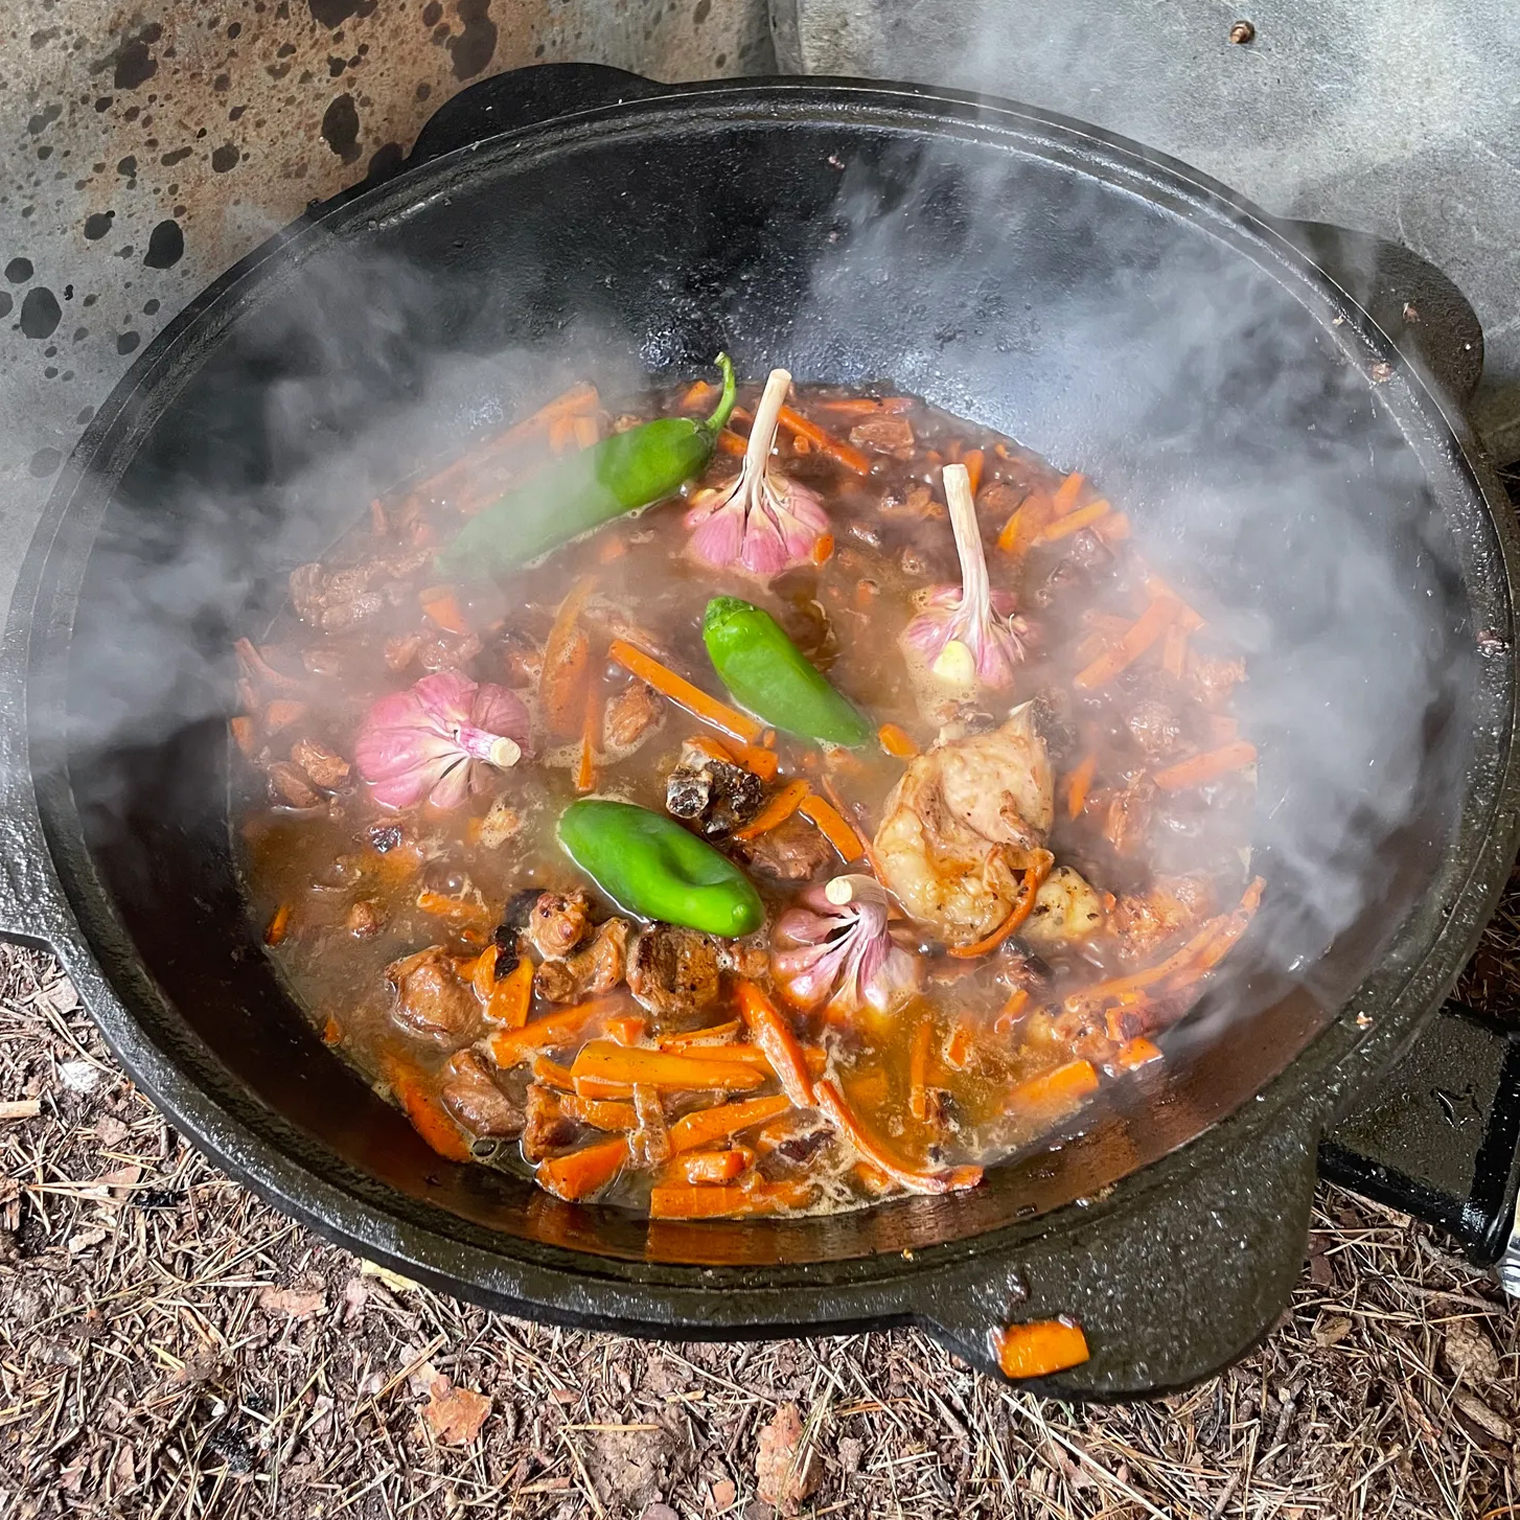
(585, 489)
(649, 865)
(770, 675)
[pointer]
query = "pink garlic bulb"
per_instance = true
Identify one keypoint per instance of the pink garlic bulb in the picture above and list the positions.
(761, 522)
(431, 740)
(966, 635)
(839, 950)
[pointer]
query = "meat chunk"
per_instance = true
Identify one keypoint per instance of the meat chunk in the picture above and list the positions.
(1156, 727)
(631, 716)
(1066, 911)
(967, 818)
(341, 599)
(547, 1128)
(596, 969)
(1144, 921)
(558, 922)
(291, 787)
(470, 1094)
(522, 657)
(324, 766)
(674, 971)
(649, 1144)
(792, 851)
(716, 795)
(501, 822)
(364, 919)
(1212, 681)
(432, 1000)
(884, 435)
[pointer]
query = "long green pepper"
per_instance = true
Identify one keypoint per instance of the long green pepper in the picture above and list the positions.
(620, 474)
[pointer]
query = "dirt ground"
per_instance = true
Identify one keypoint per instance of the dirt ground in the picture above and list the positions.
(171, 1347)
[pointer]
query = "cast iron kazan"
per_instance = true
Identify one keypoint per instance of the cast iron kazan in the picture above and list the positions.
(994, 258)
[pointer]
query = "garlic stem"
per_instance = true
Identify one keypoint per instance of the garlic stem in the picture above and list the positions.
(976, 590)
(762, 433)
(843, 890)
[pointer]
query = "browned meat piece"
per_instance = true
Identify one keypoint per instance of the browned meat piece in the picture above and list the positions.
(747, 960)
(1144, 921)
(1156, 727)
(291, 787)
(715, 795)
(384, 837)
(884, 435)
(363, 608)
(432, 1000)
(1127, 814)
(364, 919)
(998, 501)
(353, 595)
(326, 767)
(632, 715)
(470, 1094)
(792, 851)
(447, 651)
(1087, 551)
(673, 971)
(1212, 681)
(795, 1138)
(501, 822)
(522, 658)
(546, 1126)
(596, 969)
(558, 922)
(915, 501)
(401, 651)
(649, 1144)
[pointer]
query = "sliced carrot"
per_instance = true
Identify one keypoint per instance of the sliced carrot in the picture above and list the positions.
(769, 1029)
(1208, 766)
(707, 1126)
(1039, 1347)
(753, 757)
(606, 1061)
(847, 454)
(713, 1033)
(1078, 784)
(279, 925)
(611, 549)
(705, 1168)
(731, 443)
(698, 393)
(1012, 1011)
(675, 1201)
(1025, 523)
(483, 973)
(282, 712)
(896, 742)
(600, 1113)
(959, 1047)
(1112, 528)
(684, 694)
(603, 1087)
(583, 1172)
(864, 406)
(1228, 929)
(552, 1074)
(1136, 1052)
(834, 827)
(566, 661)
(918, 1069)
(1073, 522)
(1065, 497)
(562, 1027)
(587, 434)
(429, 1117)
(831, 1101)
(1189, 617)
(561, 434)
(1174, 648)
(1144, 632)
(244, 735)
(626, 1028)
(332, 1032)
(1222, 728)
(823, 548)
(974, 460)
(591, 728)
(776, 811)
(512, 996)
(1056, 1091)
(1028, 891)
(442, 606)
(462, 910)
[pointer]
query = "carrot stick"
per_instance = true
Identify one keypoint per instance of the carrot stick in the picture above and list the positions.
(1112, 528)
(282, 712)
(1077, 786)
(1144, 632)
(442, 606)
(769, 1030)
(603, 1087)
(684, 694)
(834, 827)
(1174, 649)
(586, 431)
(567, 658)
(1073, 522)
(1039, 1347)
(974, 460)
(605, 1061)
(483, 974)
(823, 548)
(709, 1125)
(1189, 618)
(958, 1048)
(732, 443)
(1025, 523)
(776, 811)
(831, 1102)
(864, 406)
(674, 1201)
(279, 924)
(1060, 1089)
(1012, 1010)
(896, 741)
(1136, 1052)
(696, 394)
(512, 996)
(626, 1028)
(1228, 929)
(332, 1032)
(1066, 494)
(429, 1117)
(552, 1074)
(583, 1172)
(553, 1030)
(847, 454)
(461, 909)
(699, 1168)
(1210, 764)
(918, 1070)
(561, 434)
(244, 735)
(753, 757)
(714, 1033)
(591, 727)
(1021, 910)
(600, 1113)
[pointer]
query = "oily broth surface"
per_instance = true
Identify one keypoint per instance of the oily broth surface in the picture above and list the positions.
(846, 615)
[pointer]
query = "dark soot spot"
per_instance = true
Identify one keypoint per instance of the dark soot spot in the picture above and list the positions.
(84, 415)
(18, 271)
(127, 342)
(432, 14)
(44, 462)
(333, 13)
(224, 158)
(5, 303)
(472, 48)
(387, 160)
(340, 128)
(40, 312)
(98, 225)
(135, 64)
(700, 15)
(127, 165)
(166, 246)
(150, 308)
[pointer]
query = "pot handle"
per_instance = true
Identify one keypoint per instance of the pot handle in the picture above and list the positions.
(1168, 1289)
(1419, 307)
(524, 98)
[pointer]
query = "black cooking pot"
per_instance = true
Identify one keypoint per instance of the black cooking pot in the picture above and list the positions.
(1114, 310)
